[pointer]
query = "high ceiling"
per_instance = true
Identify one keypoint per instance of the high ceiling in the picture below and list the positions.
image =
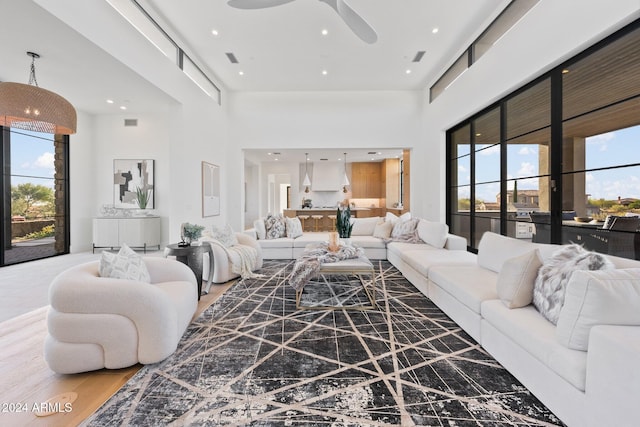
(282, 48)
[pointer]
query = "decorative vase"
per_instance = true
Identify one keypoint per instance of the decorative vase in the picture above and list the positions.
(334, 246)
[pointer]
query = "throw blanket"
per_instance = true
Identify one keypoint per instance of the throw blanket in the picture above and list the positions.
(242, 259)
(309, 264)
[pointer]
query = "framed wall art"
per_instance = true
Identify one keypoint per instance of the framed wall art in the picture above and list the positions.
(210, 189)
(133, 184)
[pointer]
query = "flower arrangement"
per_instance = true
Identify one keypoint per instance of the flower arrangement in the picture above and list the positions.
(191, 232)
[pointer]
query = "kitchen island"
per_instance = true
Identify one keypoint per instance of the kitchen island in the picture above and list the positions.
(324, 224)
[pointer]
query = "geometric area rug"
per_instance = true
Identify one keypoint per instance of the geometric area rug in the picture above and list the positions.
(253, 359)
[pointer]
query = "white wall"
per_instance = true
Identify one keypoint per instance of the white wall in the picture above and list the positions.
(384, 119)
(551, 33)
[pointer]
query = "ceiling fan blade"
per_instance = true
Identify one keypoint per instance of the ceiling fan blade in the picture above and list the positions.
(358, 25)
(256, 4)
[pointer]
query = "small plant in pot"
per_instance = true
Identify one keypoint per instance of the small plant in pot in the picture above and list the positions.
(190, 232)
(142, 197)
(343, 222)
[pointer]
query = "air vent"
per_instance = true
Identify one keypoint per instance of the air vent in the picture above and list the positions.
(419, 56)
(372, 152)
(275, 153)
(131, 122)
(324, 159)
(232, 58)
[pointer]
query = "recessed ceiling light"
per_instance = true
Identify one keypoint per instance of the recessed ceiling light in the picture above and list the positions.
(241, 73)
(214, 32)
(408, 71)
(435, 30)
(379, 153)
(109, 101)
(325, 72)
(324, 32)
(565, 71)
(122, 107)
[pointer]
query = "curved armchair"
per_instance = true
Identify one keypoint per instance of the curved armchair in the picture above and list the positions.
(97, 322)
(226, 261)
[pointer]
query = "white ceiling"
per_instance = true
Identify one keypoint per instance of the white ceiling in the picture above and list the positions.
(282, 49)
(332, 155)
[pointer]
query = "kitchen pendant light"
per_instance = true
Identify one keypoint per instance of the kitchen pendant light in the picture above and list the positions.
(307, 181)
(345, 180)
(29, 107)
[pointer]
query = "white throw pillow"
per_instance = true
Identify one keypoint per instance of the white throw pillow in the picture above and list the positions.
(364, 226)
(294, 227)
(517, 278)
(261, 229)
(494, 249)
(126, 264)
(433, 233)
(394, 218)
(225, 235)
(598, 298)
(383, 230)
(555, 273)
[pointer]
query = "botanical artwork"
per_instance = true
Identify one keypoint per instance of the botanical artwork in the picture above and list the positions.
(133, 184)
(210, 189)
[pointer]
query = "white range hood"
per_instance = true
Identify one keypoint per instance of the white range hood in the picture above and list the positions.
(327, 176)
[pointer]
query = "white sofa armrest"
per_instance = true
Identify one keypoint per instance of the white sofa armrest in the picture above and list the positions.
(251, 232)
(613, 375)
(455, 243)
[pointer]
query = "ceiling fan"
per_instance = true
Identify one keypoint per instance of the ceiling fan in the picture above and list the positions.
(358, 25)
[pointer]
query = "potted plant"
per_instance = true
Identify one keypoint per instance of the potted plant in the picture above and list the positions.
(343, 222)
(142, 197)
(190, 232)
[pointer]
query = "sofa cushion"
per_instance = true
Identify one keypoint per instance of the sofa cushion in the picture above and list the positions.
(422, 260)
(283, 242)
(294, 227)
(554, 275)
(406, 231)
(392, 218)
(364, 226)
(469, 284)
(224, 235)
(400, 248)
(433, 233)
(261, 229)
(309, 238)
(383, 229)
(598, 298)
(517, 278)
(126, 264)
(494, 249)
(526, 327)
(368, 242)
(276, 226)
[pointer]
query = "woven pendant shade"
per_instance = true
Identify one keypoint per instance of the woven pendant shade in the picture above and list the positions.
(32, 108)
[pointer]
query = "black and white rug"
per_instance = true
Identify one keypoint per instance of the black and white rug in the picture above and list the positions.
(253, 359)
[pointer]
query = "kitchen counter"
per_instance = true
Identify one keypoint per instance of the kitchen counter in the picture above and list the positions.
(324, 224)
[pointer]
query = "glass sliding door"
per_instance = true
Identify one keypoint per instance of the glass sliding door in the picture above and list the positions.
(35, 194)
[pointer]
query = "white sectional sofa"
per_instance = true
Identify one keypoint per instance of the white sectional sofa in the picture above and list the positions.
(595, 386)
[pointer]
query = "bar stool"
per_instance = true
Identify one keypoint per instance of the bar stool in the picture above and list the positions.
(332, 218)
(302, 218)
(316, 218)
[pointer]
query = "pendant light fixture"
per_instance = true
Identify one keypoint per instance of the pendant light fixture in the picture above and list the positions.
(345, 179)
(29, 107)
(307, 181)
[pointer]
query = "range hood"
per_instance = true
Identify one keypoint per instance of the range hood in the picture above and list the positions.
(326, 176)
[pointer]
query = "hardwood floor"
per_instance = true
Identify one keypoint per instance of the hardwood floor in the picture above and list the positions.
(25, 378)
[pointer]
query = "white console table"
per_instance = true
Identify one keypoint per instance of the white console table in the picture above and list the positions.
(136, 231)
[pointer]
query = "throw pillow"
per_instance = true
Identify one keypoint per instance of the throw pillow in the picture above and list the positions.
(225, 235)
(261, 229)
(126, 264)
(394, 218)
(294, 227)
(433, 233)
(598, 298)
(383, 229)
(555, 273)
(364, 226)
(406, 231)
(517, 278)
(276, 226)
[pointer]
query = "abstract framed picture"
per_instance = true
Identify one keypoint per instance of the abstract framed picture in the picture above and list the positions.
(133, 184)
(210, 189)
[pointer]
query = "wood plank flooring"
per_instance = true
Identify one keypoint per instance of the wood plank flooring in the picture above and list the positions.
(25, 378)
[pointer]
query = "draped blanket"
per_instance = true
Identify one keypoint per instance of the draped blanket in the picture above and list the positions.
(307, 266)
(243, 259)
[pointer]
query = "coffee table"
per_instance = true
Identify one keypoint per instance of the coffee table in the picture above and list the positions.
(360, 268)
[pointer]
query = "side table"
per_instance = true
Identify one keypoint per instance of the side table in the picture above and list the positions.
(192, 257)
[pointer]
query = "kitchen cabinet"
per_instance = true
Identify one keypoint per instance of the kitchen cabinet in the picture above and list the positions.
(136, 232)
(366, 178)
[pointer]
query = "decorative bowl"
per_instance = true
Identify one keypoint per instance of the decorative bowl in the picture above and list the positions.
(582, 218)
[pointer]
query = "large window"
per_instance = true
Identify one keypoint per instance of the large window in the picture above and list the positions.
(561, 155)
(35, 194)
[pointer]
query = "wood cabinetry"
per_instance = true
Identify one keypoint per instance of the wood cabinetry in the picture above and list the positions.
(136, 232)
(366, 180)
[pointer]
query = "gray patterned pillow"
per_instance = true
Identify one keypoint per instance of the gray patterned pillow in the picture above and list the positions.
(406, 231)
(294, 227)
(225, 235)
(126, 264)
(276, 226)
(553, 277)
